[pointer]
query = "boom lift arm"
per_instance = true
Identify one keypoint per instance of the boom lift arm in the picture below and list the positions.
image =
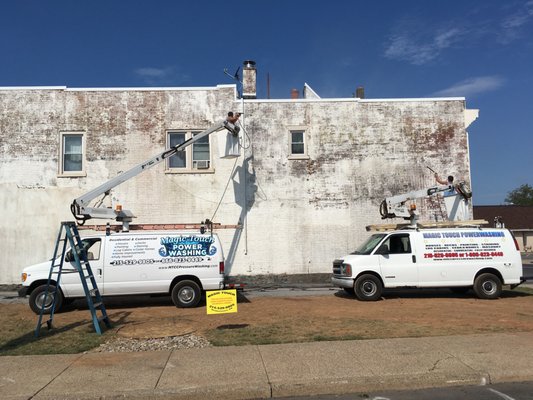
(80, 206)
(398, 207)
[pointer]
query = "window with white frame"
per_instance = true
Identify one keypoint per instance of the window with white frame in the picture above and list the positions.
(201, 158)
(196, 157)
(178, 160)
(72, 157)
(297, 144)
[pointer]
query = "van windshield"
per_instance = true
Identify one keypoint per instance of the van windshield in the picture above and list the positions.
(367, 247)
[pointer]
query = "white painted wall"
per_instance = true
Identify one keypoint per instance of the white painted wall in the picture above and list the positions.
(297, 215)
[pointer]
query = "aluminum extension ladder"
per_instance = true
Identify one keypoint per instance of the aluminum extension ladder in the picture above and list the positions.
(68, 233)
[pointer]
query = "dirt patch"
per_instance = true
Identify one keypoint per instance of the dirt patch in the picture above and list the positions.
(310, 318)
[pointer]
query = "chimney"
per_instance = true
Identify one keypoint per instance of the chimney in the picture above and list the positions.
(360, 92)
(295, 93)
(249, 80)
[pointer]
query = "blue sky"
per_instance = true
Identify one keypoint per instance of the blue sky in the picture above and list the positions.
(482, 50)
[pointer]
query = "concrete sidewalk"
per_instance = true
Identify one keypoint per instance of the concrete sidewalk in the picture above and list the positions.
(272, 370)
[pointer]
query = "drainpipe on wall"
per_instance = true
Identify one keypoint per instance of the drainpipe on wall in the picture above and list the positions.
(249, 91)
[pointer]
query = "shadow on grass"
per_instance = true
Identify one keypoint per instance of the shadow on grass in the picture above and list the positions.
(233, 326)
(72, 338)
(28, 339)
(241, 297)
(119, 302)
(137, 301)
(440, 293)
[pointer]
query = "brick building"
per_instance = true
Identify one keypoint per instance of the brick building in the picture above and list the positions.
(311, 174)
(518, 219)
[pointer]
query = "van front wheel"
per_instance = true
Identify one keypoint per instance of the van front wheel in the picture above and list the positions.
(488, 286)
(39, 297)
(186, 294)
(368, 287)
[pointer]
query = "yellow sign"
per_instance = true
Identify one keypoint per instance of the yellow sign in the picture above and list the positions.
(221, 301)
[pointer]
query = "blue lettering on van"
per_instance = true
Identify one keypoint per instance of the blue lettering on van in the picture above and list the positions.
(451, 234)
(187, 246)
(431, 235)
(482, 234)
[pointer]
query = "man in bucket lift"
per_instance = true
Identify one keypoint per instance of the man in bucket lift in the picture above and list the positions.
(232, 119)
(448, 182)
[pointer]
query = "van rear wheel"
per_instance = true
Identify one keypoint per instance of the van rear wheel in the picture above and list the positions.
(186, 294)
(488, 286)
(38, 297)
(368, 287)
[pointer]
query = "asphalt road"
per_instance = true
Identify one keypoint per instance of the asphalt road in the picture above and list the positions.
(505, 391)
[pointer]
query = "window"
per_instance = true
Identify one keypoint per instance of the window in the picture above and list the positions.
(72, 154)
(398, 244)
(92, 246)
(196, 157)
(178, 159)
(200, 153)
(370, 244)
(297, 144)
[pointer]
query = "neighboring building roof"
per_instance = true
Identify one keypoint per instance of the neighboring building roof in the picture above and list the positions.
(514, 217)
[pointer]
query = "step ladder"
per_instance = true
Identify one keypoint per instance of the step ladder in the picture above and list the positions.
(69, 236)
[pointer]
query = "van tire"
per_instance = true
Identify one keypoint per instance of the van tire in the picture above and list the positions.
(37, 297)
(186, 294)
(368, 287)
(488, 286)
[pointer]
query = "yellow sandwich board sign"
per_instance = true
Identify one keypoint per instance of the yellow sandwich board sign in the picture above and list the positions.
(221, 301)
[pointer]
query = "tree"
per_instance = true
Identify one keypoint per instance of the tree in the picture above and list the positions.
(522, 196)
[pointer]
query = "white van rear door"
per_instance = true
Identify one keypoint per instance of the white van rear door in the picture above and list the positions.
(398, 263)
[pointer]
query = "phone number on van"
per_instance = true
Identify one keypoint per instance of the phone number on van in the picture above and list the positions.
(154, 261)
(461, 255)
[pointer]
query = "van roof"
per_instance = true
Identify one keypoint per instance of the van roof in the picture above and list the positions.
(87, 233)
(193, 227)
(429, 225)
(422, 230)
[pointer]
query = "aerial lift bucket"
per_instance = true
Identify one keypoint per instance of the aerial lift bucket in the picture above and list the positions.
(228, 145)
(457, 208)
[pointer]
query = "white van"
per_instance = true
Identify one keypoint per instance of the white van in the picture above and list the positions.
(458, 258)
(181, 264)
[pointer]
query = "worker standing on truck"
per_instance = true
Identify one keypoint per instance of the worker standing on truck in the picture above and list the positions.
(448, 182)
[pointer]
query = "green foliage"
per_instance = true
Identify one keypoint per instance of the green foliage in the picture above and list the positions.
(522, 196)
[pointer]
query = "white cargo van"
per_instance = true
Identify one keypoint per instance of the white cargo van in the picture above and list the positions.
(181, 264)
(457, 258)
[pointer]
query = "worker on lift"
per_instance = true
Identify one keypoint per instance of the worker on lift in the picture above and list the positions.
(448, 182)
(232, 119)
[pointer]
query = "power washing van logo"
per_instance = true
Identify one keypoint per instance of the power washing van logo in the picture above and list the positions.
(187, 246)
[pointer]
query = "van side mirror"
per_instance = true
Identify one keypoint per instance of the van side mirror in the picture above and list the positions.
(383, 250)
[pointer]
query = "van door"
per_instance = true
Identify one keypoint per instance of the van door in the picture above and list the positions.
(397, 261)
(70, 278)
(133, 265)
